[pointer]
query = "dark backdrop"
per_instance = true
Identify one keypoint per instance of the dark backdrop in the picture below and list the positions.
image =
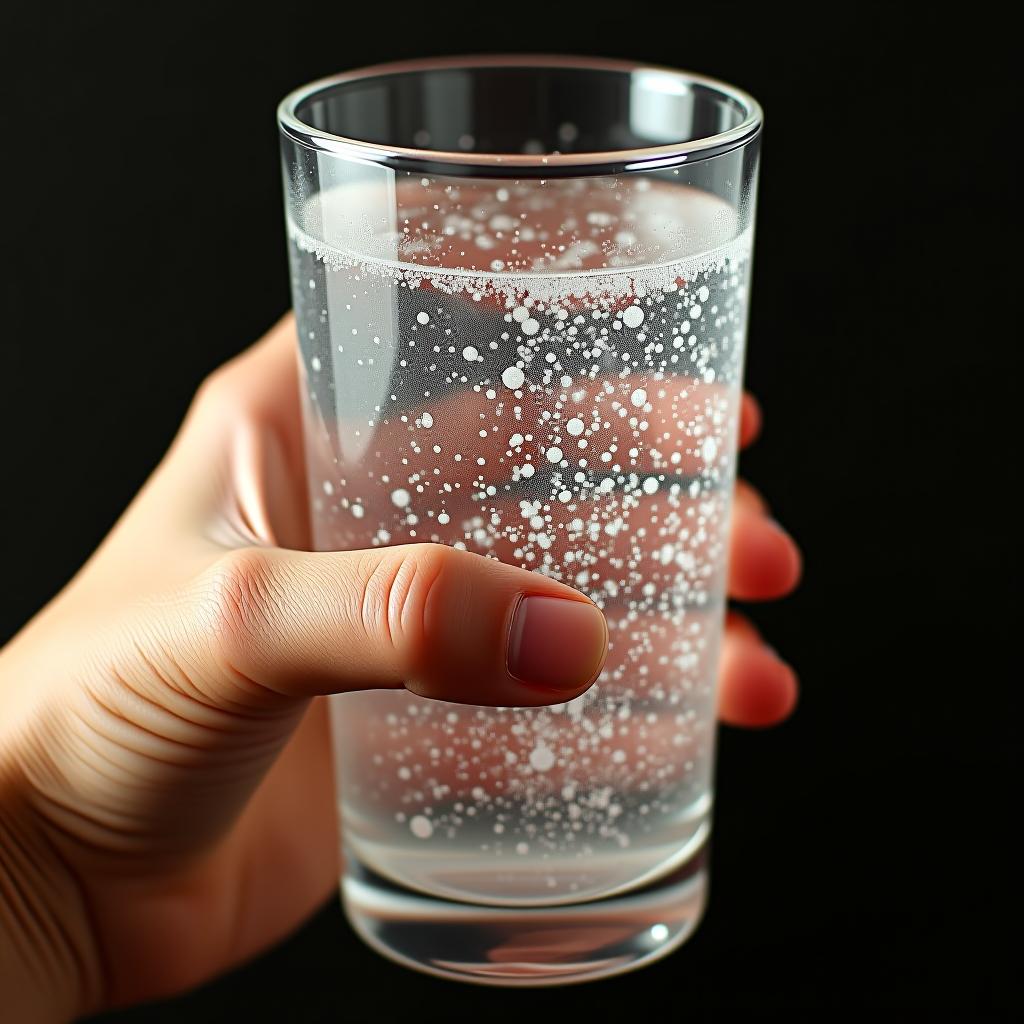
(862, 851)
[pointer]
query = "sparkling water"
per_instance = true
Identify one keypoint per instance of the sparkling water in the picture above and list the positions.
(551, 378)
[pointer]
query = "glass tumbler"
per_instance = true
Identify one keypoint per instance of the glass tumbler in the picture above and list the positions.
(520, 286)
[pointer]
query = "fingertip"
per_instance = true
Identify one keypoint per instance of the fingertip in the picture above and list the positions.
(751, 419)
(791, 558)
(501, 636)
(556, 644)
(748, 495)
(766, 562)
(758, 688)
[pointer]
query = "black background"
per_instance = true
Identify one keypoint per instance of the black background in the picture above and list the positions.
(862, 855)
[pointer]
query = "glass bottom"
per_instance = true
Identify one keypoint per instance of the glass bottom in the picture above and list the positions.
(526, 946)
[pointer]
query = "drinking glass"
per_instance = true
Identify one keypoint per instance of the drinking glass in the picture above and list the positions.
(520, 286)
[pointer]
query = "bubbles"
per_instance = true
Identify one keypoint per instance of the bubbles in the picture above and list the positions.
(542, 759)
(421, 827)
(633, 316)
(570, 434)
(513, 378)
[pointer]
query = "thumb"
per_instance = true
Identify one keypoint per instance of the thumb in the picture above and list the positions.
(443, 623)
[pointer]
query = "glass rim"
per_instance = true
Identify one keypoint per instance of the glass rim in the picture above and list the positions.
(520, 165)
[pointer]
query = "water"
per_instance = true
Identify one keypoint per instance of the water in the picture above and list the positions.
(549, 377)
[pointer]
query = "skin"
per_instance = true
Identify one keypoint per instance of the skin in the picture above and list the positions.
(166, 798)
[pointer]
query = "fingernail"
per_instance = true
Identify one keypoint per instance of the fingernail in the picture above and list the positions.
(556, 642)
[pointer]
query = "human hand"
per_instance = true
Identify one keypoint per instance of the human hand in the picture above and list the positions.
(166, 803)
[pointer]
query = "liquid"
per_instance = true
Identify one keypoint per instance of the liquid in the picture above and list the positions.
(552, 379)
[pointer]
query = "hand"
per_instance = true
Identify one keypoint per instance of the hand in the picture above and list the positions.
(166, 801)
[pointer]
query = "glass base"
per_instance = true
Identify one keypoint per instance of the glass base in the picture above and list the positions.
(527, 946)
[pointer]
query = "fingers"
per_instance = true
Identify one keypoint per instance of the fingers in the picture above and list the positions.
(601, 536)
(750, 496)
(445, 624)
(633, 425)
(236, 471)
(764, 562)
(756, 688)
(597, 421)
(741, 627)
(264, 372)
(665, 726)
(751, 419)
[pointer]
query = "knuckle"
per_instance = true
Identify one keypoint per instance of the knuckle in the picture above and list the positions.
(396, 593)
(241, 599)
(219, 389)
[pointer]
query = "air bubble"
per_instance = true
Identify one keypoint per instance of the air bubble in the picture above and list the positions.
(633, 316)
(421, 827)
(513, 378)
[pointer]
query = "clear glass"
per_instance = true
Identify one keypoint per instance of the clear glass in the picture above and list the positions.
(521, 292)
